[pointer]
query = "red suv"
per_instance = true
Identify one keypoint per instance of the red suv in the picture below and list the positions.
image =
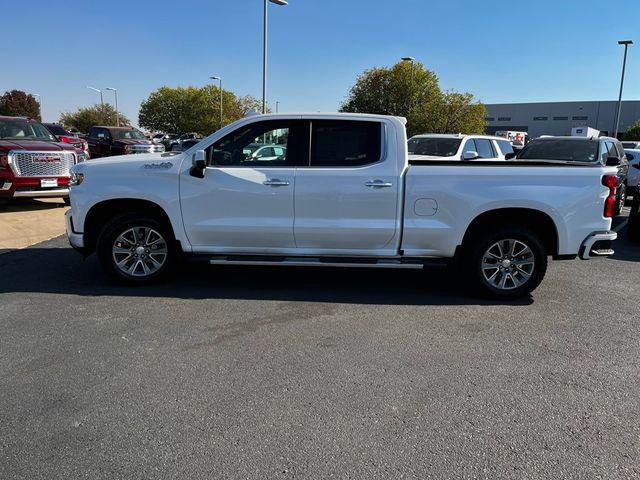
(33, 163)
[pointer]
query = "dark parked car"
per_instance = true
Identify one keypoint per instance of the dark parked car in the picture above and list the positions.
(109, 141)
(602, 150)
(182, 138)
(185, 145)
(633, 227)
(168, 140)
(66, 136)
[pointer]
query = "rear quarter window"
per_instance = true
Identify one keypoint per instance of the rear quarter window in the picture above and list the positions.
(504, 146)
(344, 143)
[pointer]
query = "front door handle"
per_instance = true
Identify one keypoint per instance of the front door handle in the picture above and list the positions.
(378, 184)
(275, 182)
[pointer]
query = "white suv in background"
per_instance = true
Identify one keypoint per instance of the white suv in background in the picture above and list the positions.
(633, 176)
(434, 146)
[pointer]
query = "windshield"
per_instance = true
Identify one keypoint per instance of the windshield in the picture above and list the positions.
(561, 149)
(434, 146)
(127, 134)
(57, 130)
(15, 130)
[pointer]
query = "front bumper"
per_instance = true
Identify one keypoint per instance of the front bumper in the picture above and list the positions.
(58, 192)
(75, 239)
(597, 245)
(31, 187)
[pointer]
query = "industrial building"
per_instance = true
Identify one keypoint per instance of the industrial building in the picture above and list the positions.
(558, 118)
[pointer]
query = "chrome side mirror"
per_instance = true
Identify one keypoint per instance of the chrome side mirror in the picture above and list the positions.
(198, 164)
(470, 155)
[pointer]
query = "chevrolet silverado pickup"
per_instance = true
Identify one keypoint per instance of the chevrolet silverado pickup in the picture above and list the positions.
(343, 193)
(33, 162)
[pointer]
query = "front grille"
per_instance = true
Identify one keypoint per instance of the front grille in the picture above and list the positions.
(41, 164)
(145, 148)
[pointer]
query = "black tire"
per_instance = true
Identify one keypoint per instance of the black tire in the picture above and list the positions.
(522, 273)
(621, 198)
(633, 227)
(127, 227)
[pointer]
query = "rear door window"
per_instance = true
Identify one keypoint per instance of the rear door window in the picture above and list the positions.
(484, 148)
(344, 143)
(613, 151)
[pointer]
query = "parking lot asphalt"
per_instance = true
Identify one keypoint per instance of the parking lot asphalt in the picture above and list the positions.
(251, 372)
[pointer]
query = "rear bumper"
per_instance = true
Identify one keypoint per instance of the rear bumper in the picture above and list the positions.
(597, 245)
(75, 239)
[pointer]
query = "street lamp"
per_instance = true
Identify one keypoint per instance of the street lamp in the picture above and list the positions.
(116, 93)
(99, 91)
(626, 44)
(264, 53)
(219, 78)
(277, 103)
(412, 60)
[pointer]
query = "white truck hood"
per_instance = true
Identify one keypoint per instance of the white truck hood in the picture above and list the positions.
(129, 163)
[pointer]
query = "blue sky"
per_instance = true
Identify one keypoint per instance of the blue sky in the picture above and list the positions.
(500, 51)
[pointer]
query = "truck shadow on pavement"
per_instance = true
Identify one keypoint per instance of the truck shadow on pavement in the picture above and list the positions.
(56, 270)
(29, 205)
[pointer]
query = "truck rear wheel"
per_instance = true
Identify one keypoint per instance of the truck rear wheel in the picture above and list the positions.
(508, 262)
(136, 248)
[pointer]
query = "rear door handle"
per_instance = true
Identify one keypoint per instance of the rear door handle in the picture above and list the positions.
(378, 184)
(275, 182)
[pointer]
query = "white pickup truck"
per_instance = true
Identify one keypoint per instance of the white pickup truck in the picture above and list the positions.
(338, 190)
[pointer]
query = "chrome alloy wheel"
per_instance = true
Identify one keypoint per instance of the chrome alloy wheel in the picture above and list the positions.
(139, 251)
(507, 264)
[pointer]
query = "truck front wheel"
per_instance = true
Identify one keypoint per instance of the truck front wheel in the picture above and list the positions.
(507, 262)
(136, 248)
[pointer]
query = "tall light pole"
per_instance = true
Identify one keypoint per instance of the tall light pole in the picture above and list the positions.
(412, 60)
(219, 78)
(264, 53)
(99, 91)
(277, 103)
(116, 92)
(626, 44)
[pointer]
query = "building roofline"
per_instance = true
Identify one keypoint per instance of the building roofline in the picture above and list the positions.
(561, 102)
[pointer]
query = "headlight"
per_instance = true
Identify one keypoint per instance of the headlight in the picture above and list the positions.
(75, 178)
(128, 148)
(82, 157)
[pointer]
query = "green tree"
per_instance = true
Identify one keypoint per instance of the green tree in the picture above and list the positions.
(192, 109)
(395, 91)
(19, 103)
(633, 132)
(460, 114)
(85, 118)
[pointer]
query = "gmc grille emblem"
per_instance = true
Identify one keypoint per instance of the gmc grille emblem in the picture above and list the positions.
(45, 159)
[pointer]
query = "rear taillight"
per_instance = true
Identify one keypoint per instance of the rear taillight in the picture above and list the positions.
(4, 161)
(611, 182)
